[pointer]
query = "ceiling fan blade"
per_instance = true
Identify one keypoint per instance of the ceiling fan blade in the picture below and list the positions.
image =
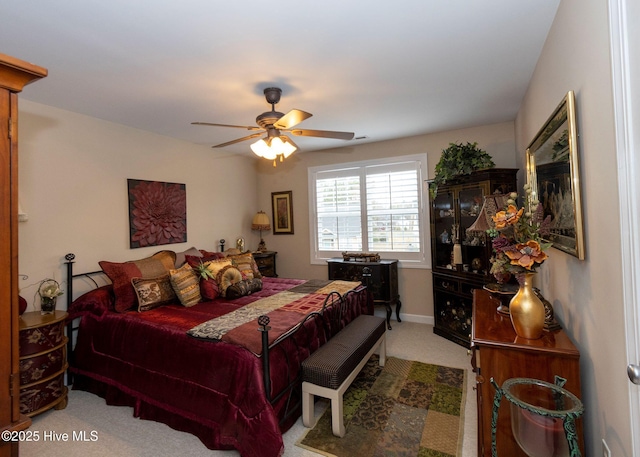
(323, 134)
(228, 143)
(246, 127)
(293, 117)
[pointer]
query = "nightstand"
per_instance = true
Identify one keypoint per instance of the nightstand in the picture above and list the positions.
(266, 263)
(43, 361)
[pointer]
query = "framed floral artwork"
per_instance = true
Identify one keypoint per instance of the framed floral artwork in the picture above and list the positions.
(553, 172)
(282, 208)
(157, 213)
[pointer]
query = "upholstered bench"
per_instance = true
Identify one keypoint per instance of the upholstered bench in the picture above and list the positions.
(330, 370)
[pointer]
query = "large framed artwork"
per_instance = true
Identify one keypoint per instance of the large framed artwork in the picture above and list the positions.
(282, 208)
(553, 172)
(157, 213)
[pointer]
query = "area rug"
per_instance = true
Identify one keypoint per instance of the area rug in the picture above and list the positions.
(405, 408)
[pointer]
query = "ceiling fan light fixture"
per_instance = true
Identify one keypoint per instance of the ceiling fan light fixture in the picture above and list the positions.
(261, 148)
(282, 146)
(271, 148)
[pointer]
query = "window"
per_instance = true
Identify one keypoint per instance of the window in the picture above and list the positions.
(371, 206)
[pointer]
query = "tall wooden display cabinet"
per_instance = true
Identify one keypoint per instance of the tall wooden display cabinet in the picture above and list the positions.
(454, 208)
(14, 75)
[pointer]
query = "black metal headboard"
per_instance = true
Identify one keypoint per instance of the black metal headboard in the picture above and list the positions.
(70, 325)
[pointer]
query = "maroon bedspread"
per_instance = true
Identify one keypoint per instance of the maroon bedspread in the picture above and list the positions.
(214, 390)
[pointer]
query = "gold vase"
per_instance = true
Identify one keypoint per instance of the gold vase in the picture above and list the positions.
(527, 310)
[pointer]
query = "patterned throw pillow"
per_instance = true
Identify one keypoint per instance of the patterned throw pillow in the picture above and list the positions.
(246, 264)
(153, 292)
(244, 287)
(226, 277)
(121, 275)
(185, 283)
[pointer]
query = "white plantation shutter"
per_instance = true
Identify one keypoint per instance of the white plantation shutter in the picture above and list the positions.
(339, 220)
(373, 206)
(393, 213)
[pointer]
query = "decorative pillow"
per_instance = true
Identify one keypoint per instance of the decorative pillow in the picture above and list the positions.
(153, 292)
(226, 277)
(181, 257)
(194, 261)
(209, 289)
(185, 284)
(244, 287)
(214, 266)
(212, 255)
(121, 275)
(246, 264)
(97, 301)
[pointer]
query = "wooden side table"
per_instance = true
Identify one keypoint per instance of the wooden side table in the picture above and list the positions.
(266, 261)
(498, 353)
(43, 362)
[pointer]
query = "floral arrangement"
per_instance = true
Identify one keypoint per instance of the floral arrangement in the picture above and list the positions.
(49, 289)
(517, 238)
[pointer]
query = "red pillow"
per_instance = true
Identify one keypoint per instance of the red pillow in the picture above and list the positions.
(121, 275)
(209, 289)
(212, 255)
(97, 301)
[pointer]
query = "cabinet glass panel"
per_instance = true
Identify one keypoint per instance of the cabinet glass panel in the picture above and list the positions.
(473, 245)
(444, 219)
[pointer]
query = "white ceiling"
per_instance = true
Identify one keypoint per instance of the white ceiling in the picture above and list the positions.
(380, 69)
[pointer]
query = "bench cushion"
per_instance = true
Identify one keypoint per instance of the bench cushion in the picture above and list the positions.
(332, 363)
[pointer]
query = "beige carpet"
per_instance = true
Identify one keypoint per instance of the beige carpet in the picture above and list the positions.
(120, 434)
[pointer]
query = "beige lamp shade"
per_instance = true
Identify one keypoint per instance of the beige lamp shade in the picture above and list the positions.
(261, 222)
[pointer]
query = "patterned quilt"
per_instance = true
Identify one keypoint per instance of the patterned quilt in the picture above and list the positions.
(286, 310)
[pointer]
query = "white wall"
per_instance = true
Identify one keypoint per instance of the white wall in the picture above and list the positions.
(73, 172)
(293, 258)
(587, 294)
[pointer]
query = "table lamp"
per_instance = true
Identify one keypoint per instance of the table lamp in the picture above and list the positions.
(261, 222)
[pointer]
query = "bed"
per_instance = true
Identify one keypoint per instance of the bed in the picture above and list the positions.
(235, 388)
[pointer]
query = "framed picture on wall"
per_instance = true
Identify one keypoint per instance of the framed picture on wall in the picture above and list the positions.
(553, 172)
(282, 208)
(157, 213)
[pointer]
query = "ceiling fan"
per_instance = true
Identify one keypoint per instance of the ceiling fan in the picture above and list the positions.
(274, 124)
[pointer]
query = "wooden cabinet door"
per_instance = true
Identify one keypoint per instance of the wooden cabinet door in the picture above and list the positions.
(14, 74)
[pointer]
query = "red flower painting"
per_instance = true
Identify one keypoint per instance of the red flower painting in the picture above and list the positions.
(157, 213)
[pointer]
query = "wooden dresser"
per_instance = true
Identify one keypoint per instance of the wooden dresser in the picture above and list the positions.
(43, 362)
(383, 281)
(498, 353)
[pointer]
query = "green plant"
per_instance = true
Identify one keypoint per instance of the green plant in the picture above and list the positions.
(460, 159)
(203, 271)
